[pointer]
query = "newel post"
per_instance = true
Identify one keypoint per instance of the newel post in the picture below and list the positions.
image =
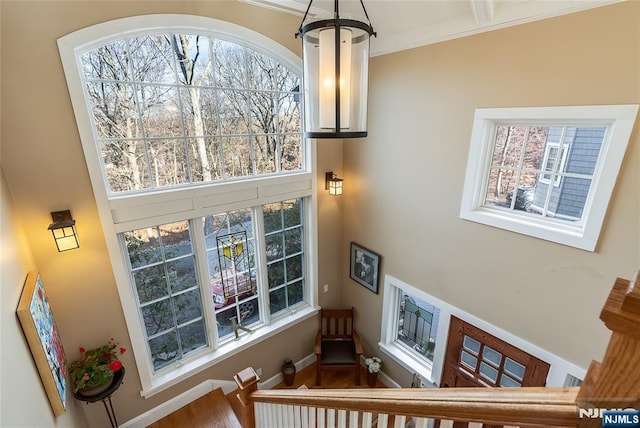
(247, 381)
(615, 383)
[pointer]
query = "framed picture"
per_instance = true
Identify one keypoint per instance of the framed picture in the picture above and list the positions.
(44, 342)
(365, 267)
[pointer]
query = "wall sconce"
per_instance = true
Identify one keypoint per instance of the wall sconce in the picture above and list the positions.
(64, 232)
(333, 184)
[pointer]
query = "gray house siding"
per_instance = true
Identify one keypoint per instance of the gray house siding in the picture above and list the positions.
(568, 199)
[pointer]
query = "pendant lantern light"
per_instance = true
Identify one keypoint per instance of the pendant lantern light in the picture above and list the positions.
(335, 54)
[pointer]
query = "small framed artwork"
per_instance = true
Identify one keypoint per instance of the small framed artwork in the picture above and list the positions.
(365, 267)
(44, 342)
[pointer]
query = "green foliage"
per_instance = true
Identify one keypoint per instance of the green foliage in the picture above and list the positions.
(96, 366)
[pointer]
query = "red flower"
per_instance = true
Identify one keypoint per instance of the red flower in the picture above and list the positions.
(115, 365)
(82, 350)
(123, 350)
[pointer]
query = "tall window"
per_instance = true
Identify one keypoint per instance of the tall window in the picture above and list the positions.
(203, 181)
(547, 172)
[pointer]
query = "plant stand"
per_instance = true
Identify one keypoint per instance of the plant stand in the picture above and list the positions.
(105, 396)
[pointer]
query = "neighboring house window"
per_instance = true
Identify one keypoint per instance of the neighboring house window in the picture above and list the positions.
(203, 180)
(546, 172)
(554, 162)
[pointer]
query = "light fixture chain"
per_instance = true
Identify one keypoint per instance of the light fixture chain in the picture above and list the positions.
(373, 33)
(305, 17)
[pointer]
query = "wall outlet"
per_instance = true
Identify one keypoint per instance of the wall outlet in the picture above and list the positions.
(326, 288)
(259, 371)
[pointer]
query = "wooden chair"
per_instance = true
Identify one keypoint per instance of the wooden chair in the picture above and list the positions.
(337, 343)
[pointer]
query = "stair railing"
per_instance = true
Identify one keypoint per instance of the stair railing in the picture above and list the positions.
(612, 384)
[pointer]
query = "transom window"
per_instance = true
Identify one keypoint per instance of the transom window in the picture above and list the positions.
(176, 108)
(547, 172)
(203, 182)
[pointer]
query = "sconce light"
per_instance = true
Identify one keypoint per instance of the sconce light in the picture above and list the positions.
(333, 184)
(64, 232)
(335, 56)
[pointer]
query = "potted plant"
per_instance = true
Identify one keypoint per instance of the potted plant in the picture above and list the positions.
(93, 372)
(373, 367)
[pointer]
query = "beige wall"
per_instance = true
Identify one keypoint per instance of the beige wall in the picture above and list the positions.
(402, 186)
(23, 401)
(407, 179)
(45, 170)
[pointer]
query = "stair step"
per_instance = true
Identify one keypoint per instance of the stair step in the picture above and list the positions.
(209, 411)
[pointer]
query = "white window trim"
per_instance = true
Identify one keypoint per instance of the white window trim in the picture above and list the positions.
(122, 213)
(584, 234)
(433, 372)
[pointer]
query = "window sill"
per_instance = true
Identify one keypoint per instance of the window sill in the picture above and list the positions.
(410, 362)
(208, 358)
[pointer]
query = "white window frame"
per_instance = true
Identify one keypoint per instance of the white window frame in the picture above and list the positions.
(432, 372)
(121, 213)
(619, 120)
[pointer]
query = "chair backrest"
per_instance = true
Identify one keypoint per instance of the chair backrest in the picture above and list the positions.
(336, 324)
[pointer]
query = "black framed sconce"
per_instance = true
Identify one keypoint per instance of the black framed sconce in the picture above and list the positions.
(333, 184)
(64, 231)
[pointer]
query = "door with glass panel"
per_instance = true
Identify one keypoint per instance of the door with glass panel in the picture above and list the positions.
(475, 358)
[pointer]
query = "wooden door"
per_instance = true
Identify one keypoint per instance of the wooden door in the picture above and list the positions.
(475, 358)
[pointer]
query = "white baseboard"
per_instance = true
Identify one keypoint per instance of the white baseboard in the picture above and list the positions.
(170, 406)
(278, 378)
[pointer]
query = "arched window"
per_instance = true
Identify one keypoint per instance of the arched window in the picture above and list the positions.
(191, 129)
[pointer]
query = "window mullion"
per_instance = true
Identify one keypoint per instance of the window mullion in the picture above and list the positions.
(523, 151)
(202, 272)
(261, 265)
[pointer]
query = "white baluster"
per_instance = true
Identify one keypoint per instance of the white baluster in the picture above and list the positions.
(342, 419)
(312, 417)
(475, 425)
(331, 418)
(399, 421)
(322, 418)
(422, 422)
(353, 419)
(383, 419)
(367, 420)
(446, 424)
(304, 417)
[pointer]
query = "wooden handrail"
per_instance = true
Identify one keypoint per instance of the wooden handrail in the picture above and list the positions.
(544, 407)
(612, 384)
(615, 383)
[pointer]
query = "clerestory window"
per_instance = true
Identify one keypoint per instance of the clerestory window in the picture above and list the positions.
(193, 140)
(546, 172)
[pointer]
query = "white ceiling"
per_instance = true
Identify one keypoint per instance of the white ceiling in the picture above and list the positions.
(403, 24)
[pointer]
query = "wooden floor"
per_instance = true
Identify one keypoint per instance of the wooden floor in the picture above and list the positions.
(331, 379)
(209, 411)
(213, 410)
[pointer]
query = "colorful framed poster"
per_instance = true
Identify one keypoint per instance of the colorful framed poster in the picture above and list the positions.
(42, 336)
